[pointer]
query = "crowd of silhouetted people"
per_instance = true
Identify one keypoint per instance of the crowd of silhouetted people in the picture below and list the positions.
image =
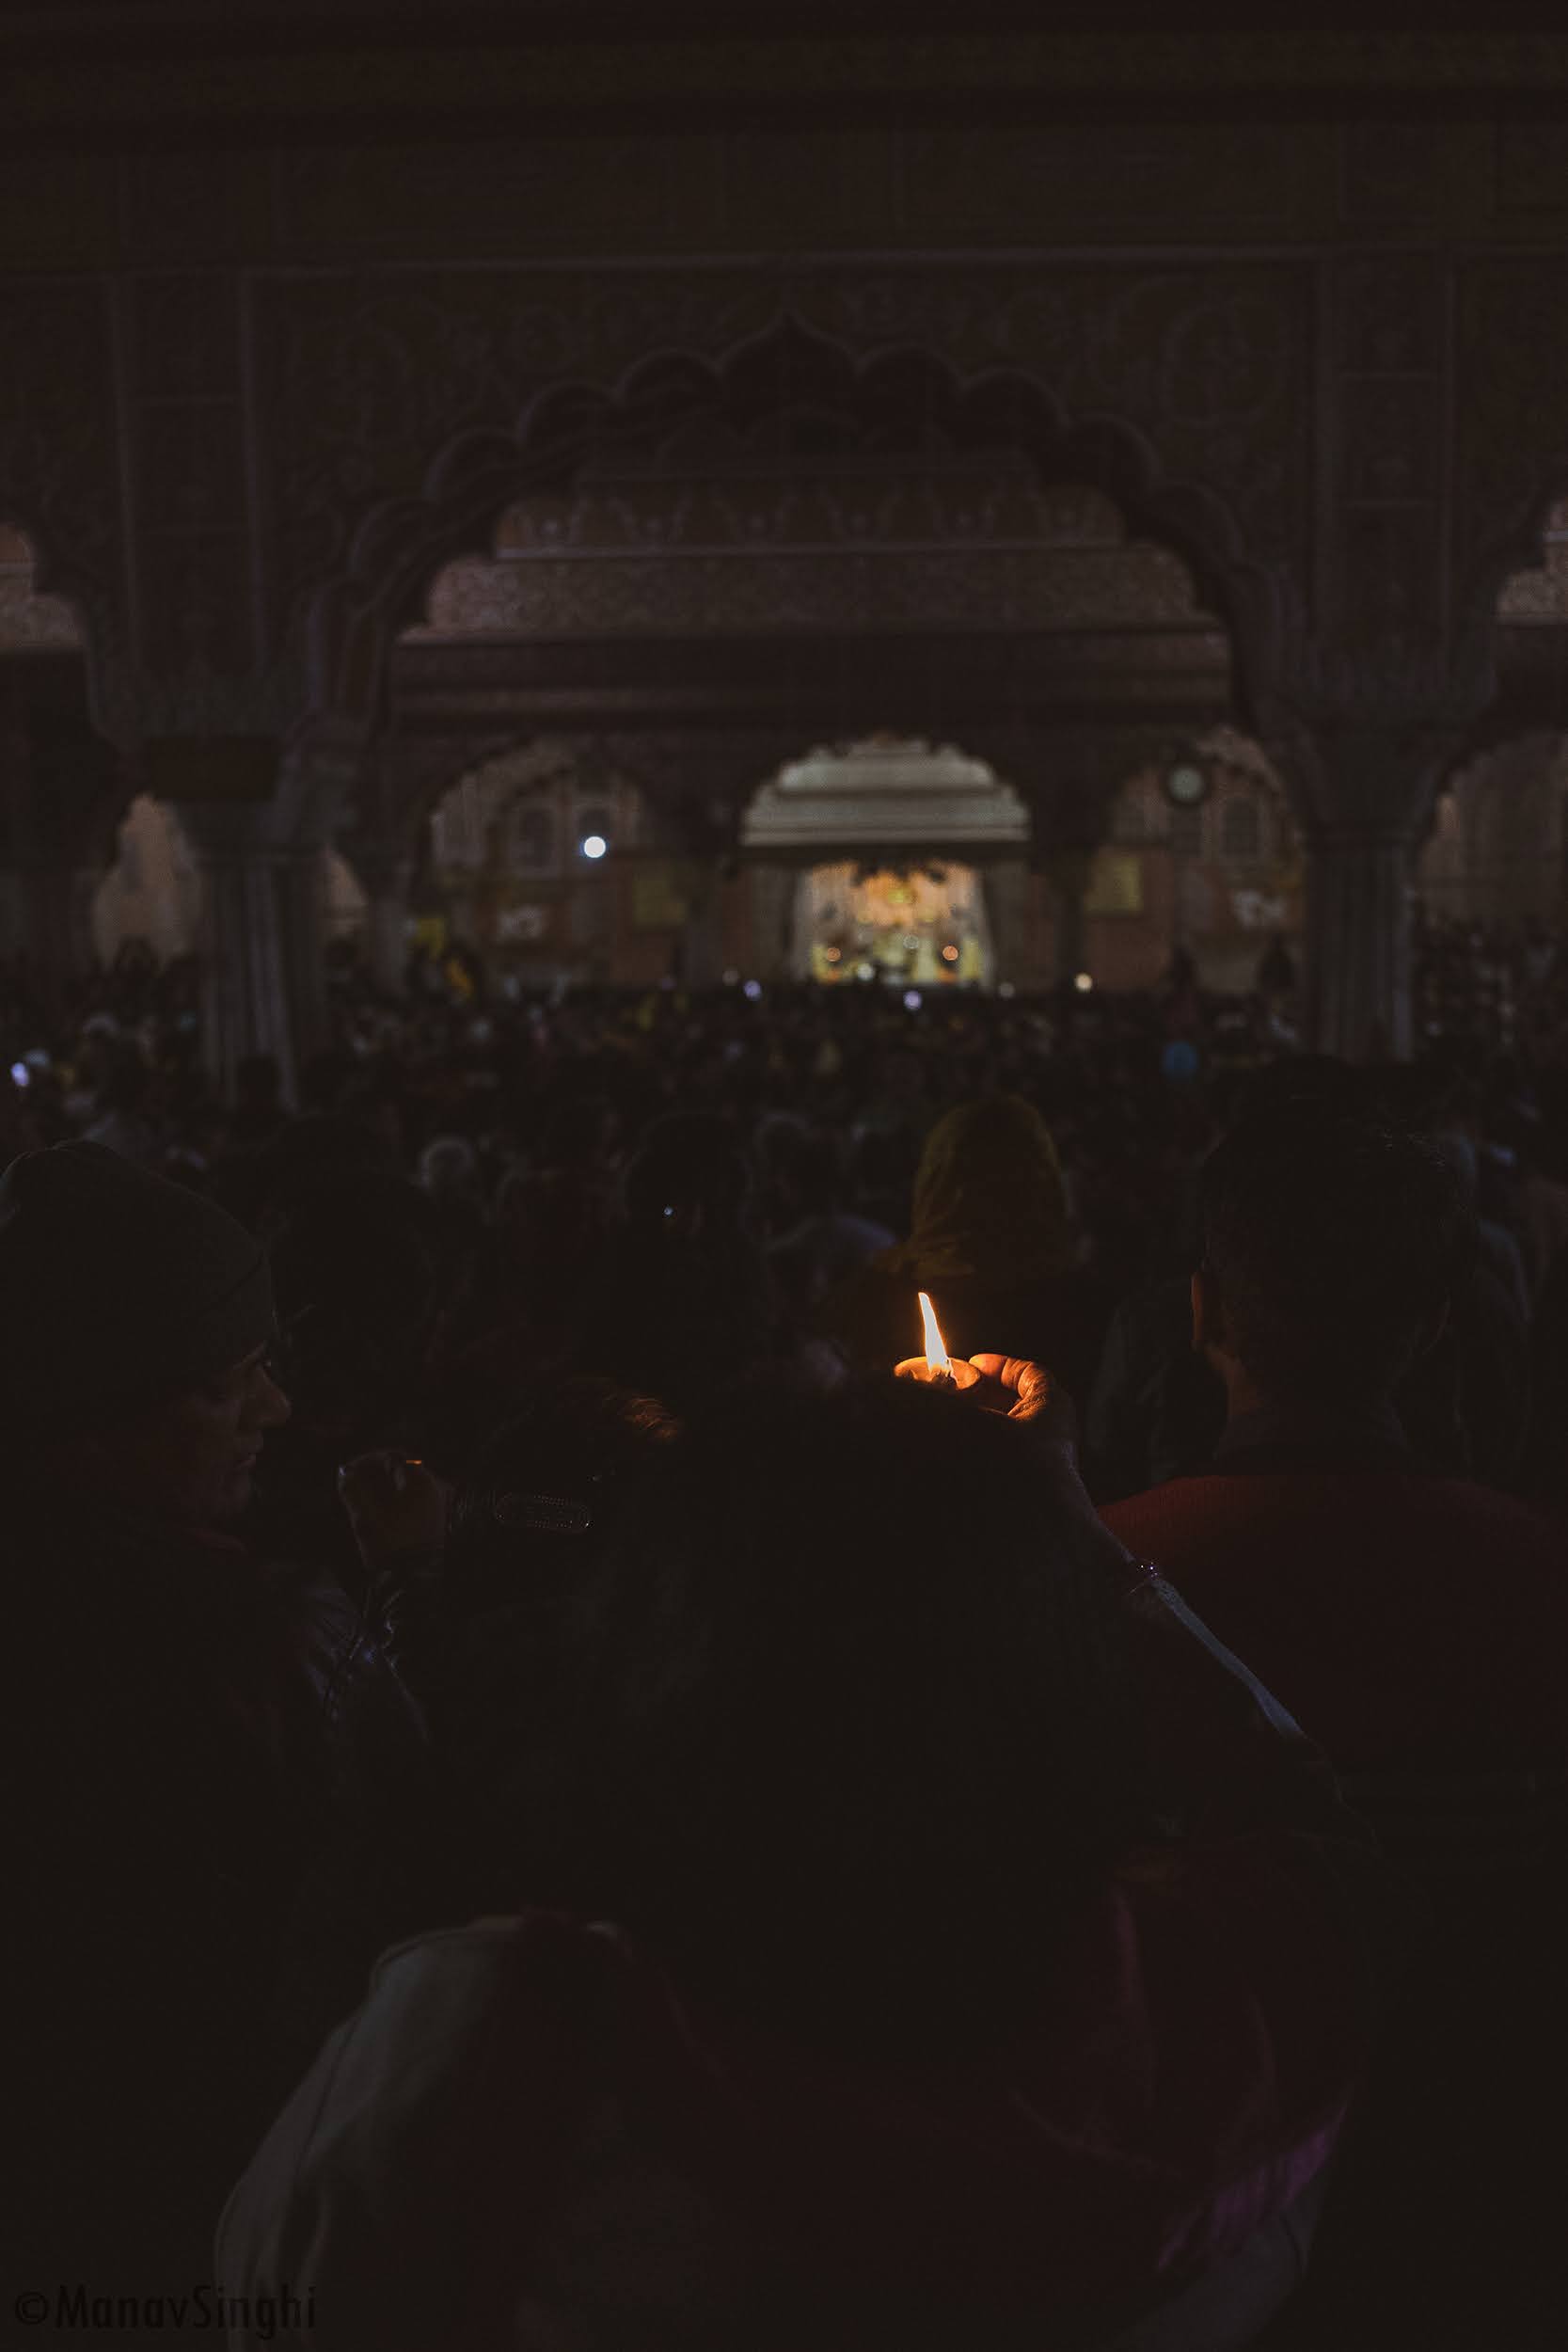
(582, 1791)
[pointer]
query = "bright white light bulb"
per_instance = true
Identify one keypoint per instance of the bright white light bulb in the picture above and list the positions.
(1082, 983)
(594, 844)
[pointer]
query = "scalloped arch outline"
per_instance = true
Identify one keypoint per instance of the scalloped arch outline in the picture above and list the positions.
(351, 620)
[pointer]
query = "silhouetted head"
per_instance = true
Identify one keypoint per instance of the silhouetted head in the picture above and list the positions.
(988, 1197)
(1331, 1248)
(841, 1728)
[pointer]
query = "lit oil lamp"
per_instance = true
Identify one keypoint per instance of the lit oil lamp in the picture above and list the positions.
(936, 1369)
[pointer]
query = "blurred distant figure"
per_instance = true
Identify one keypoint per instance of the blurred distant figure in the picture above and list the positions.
(816, 1240)
(448, 1168)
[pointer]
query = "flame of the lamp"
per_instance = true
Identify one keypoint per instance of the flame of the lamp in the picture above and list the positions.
(937, 1357)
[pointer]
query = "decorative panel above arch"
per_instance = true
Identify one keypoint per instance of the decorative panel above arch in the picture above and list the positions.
(401, 405)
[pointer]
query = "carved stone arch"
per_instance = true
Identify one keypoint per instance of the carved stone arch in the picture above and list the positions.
(353, 619)
(1497, 839)
(1499, 730)
(529, 763)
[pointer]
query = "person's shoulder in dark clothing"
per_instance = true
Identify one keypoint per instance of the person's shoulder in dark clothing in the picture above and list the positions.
(1397, 1613)
(1155, 1408)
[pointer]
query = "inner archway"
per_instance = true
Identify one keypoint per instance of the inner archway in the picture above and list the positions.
(789, 393)
(1216, 872)
(886, 839)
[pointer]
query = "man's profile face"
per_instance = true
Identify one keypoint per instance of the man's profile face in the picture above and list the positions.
(191, 1459)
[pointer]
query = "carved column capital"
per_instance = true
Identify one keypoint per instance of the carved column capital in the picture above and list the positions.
(1364, 738)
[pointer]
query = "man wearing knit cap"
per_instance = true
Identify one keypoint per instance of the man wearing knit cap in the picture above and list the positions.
(175, 1748)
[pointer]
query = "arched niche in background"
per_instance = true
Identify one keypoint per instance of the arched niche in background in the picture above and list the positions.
(1222, 879)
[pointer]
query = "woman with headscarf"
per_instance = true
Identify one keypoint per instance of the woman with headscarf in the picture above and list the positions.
(992, 1242)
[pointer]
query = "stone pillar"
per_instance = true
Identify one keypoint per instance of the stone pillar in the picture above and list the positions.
(387, 928)
(1358, 992)
(1371, 741)
(1006, 888)
(1068, 873)
(1069, 779)
(257, 819)
(56, 903)
(264, 977)
(772, 919)
(244, 998)
(299, 885)
(386, 875)
(262, 944)
(702, 935)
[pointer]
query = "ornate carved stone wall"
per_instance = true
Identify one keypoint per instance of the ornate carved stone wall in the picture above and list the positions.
(773, 552)
(746, 594)
(265, 368)
(402, 405)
